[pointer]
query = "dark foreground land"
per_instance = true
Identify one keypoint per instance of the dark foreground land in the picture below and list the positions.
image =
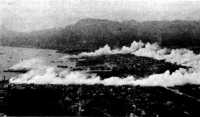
(99, 100)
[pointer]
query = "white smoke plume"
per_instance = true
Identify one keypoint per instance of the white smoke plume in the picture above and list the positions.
(29, 64)
(51, 75)
(107, 50)
(180, 56)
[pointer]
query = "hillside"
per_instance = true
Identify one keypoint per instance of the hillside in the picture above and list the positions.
(90, 34)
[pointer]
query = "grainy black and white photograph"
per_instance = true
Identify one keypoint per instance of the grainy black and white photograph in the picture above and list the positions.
(100, 58)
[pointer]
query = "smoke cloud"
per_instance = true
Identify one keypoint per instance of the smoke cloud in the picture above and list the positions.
(53, 75)
(33, 63)
(180, 56)
(107, 50)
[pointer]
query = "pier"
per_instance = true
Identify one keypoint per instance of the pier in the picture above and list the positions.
(3, 95)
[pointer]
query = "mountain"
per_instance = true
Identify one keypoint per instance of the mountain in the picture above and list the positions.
(86, 34)
(90, 34)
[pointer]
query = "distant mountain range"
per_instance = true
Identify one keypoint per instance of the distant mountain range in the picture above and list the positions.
(90, 34)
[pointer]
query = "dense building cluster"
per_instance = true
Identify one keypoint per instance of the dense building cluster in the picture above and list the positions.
(100, 100)
(123, 65)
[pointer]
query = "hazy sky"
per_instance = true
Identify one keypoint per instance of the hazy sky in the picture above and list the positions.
(28, 15)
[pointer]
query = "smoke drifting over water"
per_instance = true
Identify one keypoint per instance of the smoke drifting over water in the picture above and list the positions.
(28, 64)
(43, 74)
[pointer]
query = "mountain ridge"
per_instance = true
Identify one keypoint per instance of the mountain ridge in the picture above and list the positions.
(90, 34)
